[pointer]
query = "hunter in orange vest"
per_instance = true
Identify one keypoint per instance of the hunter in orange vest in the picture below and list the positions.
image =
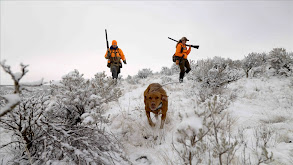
(181, 57)
(114, 56)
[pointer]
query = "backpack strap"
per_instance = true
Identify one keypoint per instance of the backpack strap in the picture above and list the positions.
(116, 58)
(116, 51)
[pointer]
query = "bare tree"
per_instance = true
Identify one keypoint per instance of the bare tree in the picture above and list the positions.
(12, 100)
(16, 77)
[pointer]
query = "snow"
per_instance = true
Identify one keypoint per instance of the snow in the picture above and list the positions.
(93, 97)
(33, 83)
(88, 120)
(6, 136)
(258, 101)
(56, 83)
(17, 75)
(12, 99)
(266, 101)
(195, 123)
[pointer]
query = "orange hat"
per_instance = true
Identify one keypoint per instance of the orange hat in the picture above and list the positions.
(114, 42)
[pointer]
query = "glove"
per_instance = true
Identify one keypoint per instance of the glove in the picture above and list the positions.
(124, 62)
(108, 55)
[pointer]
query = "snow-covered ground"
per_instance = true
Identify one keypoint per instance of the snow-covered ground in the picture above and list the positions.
(255, 103)
(266, 102)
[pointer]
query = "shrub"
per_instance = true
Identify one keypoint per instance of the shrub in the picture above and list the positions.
(166, 71)
(77, 96)
(132, 80)
(251, 61)
(214, 74)
(281, 61)
(144, 73)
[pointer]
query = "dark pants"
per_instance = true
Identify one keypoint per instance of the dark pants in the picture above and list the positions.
(115, 69)
(184, 64)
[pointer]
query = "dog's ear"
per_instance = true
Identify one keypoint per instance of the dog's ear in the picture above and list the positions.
(164, 98)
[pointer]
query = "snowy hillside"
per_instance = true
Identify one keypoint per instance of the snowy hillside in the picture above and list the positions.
(258, 103)
(225, 112)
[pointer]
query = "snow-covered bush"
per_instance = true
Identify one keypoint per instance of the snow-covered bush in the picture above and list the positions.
(76, 144)
(104, 90)
(175, 68)
(144, 73)
(214, 74)
(77, 95)
(42, 137)
(23, 122)
(253, 60)
(263, 135)
(166, 79)
(254, 149)
(166, 71)
(45, 128)
(200, 69)
(75, 99)
(280, 61)
(132, 80)
(208, 141)
(72, 96)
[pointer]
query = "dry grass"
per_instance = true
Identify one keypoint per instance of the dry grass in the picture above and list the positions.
(274, 119)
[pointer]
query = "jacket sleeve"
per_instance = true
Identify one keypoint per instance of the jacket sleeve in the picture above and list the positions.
(121, 54)
(178, 50)
(106, 55)
(188, 51)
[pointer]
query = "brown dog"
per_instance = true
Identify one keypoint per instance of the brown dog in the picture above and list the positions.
(156, 101)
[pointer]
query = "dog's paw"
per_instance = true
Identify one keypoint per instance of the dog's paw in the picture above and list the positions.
(152, 124)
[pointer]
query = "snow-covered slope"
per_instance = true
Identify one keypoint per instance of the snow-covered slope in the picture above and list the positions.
(261, 107)
(256, 102)
(267, 102)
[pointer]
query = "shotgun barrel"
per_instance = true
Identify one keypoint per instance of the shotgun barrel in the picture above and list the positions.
(107, 39)
(193, 46)
(108, 55)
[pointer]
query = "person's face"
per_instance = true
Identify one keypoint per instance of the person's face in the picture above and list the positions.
(183, 41)
(114, 46)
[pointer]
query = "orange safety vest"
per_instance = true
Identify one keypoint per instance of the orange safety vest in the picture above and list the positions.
(115, 55)
(181, 51)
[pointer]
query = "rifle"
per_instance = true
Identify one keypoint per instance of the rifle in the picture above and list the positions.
(107, 43)
(193, 46)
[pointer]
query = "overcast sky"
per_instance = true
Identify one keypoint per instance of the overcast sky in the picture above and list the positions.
(56, 37)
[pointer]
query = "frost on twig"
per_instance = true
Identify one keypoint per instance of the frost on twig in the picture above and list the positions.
(16, 77)
(12, 101)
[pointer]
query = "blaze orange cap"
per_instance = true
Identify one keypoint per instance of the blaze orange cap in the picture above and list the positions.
(114, 42)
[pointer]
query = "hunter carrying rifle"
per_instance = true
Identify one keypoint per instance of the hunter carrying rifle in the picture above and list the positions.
(180, 56)
(114, 56)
